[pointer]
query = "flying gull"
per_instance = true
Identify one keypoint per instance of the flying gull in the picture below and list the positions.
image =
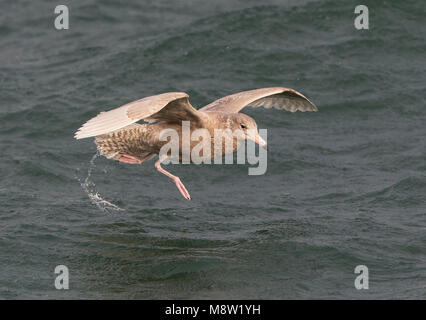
(119, 137)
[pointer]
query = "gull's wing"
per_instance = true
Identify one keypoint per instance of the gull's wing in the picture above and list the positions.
(171, 107)
(277, 97)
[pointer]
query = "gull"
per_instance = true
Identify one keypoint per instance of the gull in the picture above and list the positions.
(119, 137)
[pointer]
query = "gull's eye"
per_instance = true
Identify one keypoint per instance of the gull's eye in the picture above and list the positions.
(243, 126)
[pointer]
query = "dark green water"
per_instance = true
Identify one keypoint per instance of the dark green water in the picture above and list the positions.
(345, 186)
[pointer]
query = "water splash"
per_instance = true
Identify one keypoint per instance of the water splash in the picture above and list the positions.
(90, 188)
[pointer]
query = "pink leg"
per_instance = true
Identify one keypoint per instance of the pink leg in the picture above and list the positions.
(129, 159)
(175, 179)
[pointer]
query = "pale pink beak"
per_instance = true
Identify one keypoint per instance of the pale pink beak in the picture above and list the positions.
(258, 139)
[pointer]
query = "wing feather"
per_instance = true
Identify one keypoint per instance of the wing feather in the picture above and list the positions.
(276, 97)
(171, 106)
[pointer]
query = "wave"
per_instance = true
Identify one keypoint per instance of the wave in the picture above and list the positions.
(406, 192)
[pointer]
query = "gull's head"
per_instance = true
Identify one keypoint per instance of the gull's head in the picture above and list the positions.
(246, 129)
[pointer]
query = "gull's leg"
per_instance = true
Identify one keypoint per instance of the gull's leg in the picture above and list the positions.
(175, 179)
(129, 159)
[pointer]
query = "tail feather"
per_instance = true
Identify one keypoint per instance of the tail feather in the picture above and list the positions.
(125, 141)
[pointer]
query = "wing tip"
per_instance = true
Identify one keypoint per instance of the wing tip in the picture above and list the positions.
(81, 134)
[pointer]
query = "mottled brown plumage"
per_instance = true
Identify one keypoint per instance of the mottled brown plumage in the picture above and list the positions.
(119, 137)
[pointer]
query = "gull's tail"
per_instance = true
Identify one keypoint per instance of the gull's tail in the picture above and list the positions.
(126, 141)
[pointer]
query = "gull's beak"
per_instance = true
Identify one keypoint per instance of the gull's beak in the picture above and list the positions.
(258, 139)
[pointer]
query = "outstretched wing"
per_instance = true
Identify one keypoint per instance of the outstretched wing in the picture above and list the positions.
(171, 107)
(276, 97)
